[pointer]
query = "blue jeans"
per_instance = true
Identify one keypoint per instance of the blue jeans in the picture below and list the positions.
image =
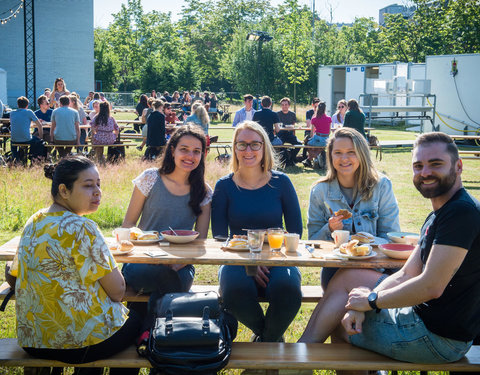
(283, 292)
(157, 279)
(401, 334)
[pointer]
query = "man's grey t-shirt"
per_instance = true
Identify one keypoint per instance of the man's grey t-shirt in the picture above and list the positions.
(65, 118)
(20, 124)
(288, 118)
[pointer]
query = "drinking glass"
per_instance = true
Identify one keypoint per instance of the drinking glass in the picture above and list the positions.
(255, 240)
(275, 238)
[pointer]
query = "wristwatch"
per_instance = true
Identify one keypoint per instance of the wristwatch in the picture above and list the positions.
(372, 301)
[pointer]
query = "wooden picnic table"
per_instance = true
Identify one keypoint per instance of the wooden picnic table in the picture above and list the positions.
(209, 251)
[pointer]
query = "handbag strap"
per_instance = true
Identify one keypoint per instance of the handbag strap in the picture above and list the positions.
(206, 320)
(168, 322)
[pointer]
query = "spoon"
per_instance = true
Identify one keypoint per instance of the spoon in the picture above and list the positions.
(175, 233)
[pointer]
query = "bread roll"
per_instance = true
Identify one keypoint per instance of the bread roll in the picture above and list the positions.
(363, 237)
(147, 236)
(345, 213)
(125, 245)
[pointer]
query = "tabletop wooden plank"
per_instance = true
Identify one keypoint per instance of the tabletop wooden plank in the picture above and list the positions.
(210, 251)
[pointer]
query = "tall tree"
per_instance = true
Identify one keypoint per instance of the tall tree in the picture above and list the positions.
(295, 32)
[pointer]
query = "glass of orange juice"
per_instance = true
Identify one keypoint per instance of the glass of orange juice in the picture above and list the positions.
(275, 238)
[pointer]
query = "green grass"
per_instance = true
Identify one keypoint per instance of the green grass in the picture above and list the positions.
(24, 191)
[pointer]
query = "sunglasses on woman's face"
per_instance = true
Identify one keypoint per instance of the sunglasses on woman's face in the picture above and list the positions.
(254, 146)
(340, 106)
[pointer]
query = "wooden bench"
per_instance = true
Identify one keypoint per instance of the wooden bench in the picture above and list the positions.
(263, 356)
(472, 155)
(310, 293)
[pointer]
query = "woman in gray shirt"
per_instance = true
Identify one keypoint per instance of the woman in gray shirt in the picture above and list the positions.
(174, 195)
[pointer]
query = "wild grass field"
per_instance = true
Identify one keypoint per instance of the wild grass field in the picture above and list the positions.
(23, 191)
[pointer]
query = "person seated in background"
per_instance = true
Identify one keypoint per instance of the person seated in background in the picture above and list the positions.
(102, 97)
(257, 196)
(197, 97)
(428, 312)
(186, 102)
(69, 288)
(320, 130)
(44, 115)
(246, 113)
(104, 130)
(167, 97)
(155, 131)
(339, 117)
(153, 94)
(59, 90)
(199, 117)
(288, 119)
(65, 126)
(308, 117)
(147, 111)
(96, 97)
(89, 98)
(176, 97)
(351, 183)
(354, 118)
(268, 120)
(20, 120)
(95, 109)
(47, 92)
(170, 114)
(76, 105)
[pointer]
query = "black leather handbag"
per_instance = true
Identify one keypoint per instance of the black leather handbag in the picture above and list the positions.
(192, 334)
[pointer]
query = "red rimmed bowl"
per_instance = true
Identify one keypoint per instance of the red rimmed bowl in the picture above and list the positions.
(397, 250)
(183, 236)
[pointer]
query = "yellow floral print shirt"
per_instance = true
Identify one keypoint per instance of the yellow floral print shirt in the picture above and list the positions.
(60, 302)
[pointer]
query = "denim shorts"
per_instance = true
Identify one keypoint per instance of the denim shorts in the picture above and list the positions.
(401, 334)
(318, 140)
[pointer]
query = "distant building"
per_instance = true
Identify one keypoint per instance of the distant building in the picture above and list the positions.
(63, 47)
(407, 12)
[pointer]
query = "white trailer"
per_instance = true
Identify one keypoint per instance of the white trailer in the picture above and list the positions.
(337, 82)
(458, 112)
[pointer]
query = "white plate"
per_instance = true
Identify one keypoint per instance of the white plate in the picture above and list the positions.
(120, 252)
(146, 242)
(236, 248)
(399, 237)
(353, 257)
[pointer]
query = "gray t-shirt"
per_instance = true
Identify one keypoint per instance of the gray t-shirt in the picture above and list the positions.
(288, 118)
(162, 208)
(20, 124)
(65, 119)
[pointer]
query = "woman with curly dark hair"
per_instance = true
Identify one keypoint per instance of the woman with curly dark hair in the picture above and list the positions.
(174, 195)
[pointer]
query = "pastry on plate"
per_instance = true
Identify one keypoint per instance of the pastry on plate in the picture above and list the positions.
(363, 237)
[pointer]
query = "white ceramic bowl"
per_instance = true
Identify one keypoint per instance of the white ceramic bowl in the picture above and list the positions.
(403, 237)
(183, 236)
(397, 250)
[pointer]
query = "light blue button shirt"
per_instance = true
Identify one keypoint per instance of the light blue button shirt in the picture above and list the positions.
(378, 215)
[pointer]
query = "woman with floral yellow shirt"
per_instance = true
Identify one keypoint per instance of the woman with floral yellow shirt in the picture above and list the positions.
(68, 286)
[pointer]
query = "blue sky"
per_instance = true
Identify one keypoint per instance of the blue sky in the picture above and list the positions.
(343, 10)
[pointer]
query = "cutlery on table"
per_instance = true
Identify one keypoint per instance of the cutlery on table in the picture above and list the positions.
(174, 233)
(311, 250)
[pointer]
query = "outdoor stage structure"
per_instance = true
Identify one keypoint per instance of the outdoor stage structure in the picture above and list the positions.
(48, 39)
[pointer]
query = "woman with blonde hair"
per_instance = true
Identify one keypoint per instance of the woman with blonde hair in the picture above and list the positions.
(353, 183)
(339, 116)
(59, 89)
(199, 116)
(256, 196)
(83, 117)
